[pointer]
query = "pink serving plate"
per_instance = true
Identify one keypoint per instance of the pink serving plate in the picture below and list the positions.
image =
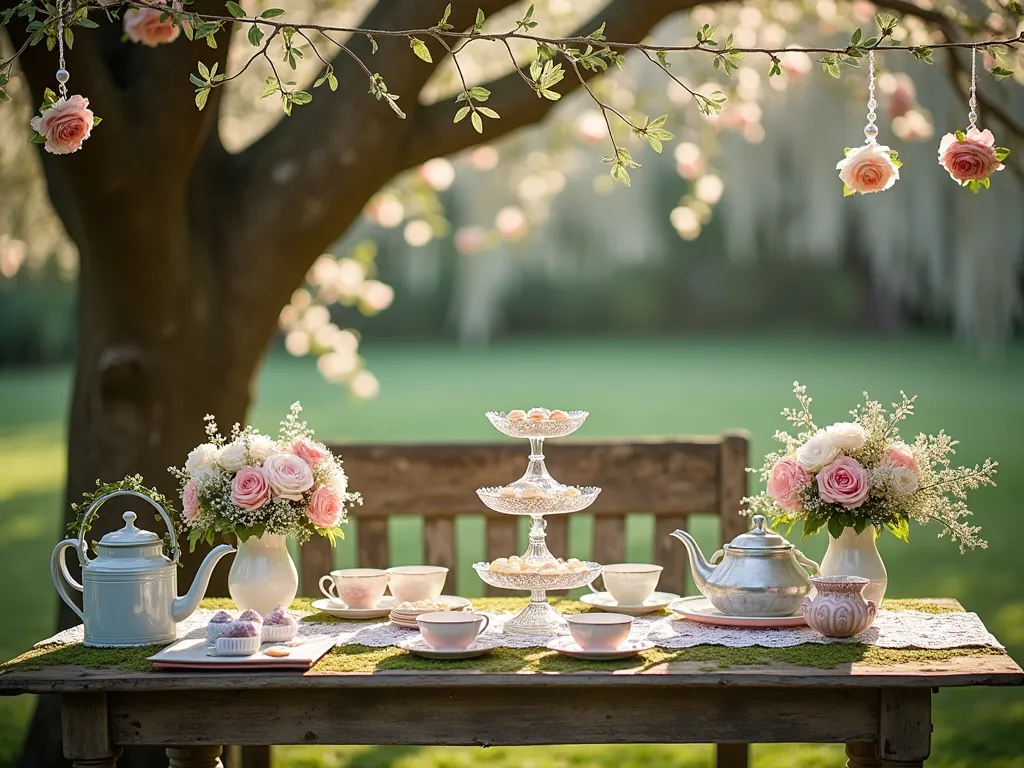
(700, 610)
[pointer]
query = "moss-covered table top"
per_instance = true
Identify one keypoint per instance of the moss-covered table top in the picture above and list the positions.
(75, 667)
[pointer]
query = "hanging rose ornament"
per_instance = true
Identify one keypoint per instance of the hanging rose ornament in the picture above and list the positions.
(873, 167)
(64, 122)
(971, 157)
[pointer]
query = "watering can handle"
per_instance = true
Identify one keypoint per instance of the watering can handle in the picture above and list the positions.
(62, 579)
(95, 507)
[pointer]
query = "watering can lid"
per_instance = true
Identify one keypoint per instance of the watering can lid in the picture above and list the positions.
(760, 537)
(129, 536)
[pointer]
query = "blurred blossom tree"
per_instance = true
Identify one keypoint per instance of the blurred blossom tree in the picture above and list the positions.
(201, 219)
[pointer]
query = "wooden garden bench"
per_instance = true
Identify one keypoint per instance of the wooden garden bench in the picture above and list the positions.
(669, 477)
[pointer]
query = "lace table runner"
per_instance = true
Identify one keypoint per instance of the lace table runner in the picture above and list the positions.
(892, 629)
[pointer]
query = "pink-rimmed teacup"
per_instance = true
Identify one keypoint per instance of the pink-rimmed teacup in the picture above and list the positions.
(599, 631)
(451, 630)
(355, 587)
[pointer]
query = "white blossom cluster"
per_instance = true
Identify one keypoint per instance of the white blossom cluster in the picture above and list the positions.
(860, 473)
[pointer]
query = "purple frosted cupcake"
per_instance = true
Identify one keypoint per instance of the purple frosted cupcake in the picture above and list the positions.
(279, 626)
(241, 638)
(220, 621)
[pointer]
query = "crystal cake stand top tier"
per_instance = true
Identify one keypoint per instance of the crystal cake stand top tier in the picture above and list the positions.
(548, 428)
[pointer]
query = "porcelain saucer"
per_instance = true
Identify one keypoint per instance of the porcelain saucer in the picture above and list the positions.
(339, 609)
(605, 602)
(700, 610)
(419, 646)
(569, 647)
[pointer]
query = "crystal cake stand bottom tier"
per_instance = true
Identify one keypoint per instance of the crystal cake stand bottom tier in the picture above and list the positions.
(538, 617)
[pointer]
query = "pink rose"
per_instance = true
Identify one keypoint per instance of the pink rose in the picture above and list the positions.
(900, 455)
(250, 489)
(870, 168)
(288, 475)
(787, 480)
(845, 482)
(324, 507)
(189, 500)
(310, 452)
(973, 159)
(65, 125)
(143, 25)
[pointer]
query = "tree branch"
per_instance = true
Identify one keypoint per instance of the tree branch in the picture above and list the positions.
(431, 133)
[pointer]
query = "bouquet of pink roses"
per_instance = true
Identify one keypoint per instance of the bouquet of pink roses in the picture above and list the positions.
(252, 484)
(860, 473)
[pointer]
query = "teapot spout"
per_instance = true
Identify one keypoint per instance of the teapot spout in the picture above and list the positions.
(700, 567)
(186, 605)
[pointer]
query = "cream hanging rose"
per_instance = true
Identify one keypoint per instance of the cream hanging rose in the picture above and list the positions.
(871, 168)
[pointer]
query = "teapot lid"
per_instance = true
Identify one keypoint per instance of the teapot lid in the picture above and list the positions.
(129, 536)
(760, 537)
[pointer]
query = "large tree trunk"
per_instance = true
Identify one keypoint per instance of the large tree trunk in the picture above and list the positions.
(155, 353)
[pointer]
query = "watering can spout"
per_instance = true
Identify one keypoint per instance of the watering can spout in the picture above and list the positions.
(186, 605)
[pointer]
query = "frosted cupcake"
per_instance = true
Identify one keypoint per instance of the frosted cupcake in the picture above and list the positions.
(221, 621)
(278, 626)
(241, 638)
(251, 616)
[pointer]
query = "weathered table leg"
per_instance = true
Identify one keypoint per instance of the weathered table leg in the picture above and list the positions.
(194, 757)
(905, 727)
(85, 731)
(861, 755)
(731, 756)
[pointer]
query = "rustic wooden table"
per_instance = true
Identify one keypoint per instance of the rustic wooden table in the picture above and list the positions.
(882, 714)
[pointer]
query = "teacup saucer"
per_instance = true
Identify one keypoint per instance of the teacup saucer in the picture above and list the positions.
(569, 647)
(700, 610)
(419, 646)
(342, 611)
(605, 602)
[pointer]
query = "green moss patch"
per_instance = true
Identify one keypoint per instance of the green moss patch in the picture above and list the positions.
(364, 659)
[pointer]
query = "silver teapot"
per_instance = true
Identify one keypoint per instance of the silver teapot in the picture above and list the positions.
(760, 574)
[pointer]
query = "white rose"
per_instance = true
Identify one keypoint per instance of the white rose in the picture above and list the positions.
(204, 455)
(261, 446)
(816, 452)
(339, 482)
(847, 436)
(232, 456)
(288, 475)
(904, 480)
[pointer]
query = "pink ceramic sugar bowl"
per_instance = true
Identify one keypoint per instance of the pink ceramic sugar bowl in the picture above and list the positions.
(839, 609)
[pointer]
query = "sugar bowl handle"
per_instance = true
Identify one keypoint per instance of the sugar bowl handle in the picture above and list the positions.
(806, 562)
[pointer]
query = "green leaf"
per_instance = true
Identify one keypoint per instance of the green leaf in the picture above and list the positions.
(301, 97)
(420, 49)
(255, 34)
(847, 192)
(272, 13)
(69, 37)
(961, 136)
(201, 96)
(4, 96)
(835, 528)
(197, 81)
(443, 24)
(88, 23)
(322, 79)
(830, 64)
(49, 97)
(620, 174)
(550, 95)
(235, 9)
(204, 71)
(855, 38)
(477, 122)
(1002, 153)
(923, 53)
(461, 114)
(479, 21)
(332, 82)
(96, 120)
(373, 43)
(479, 93)
(900, 529)
(488, 112)
(270, 87)
(597, 34)
(887, 22)
(776, 68)
(37, 139)
(1001, 73)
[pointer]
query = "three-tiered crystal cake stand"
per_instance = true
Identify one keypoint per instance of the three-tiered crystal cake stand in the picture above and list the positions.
(538, 494)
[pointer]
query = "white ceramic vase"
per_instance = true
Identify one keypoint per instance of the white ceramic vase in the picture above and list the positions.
(855, 554)
(263, 575)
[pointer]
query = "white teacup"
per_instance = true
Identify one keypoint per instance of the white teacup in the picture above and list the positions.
(355, 587)
(411, 583)
(630, 583)
(599, 631)
(451, 630)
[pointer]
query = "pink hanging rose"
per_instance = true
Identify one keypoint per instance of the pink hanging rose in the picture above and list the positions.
(310, 452)
(288, 475)
(143, 25)
(871, 168)
(844, 482)
(65, 124)
(189, 500)
(970, 158)
(787, 480)
(900, 455)
(250, 489)
(324, 507)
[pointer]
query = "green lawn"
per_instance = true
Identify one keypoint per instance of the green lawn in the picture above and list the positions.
(630, 388)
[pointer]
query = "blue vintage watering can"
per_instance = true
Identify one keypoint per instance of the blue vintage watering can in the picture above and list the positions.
(130, 592)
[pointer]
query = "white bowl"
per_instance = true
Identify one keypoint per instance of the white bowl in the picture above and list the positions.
(599, 631)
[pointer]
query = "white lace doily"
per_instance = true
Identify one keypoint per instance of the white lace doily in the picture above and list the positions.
(892, 629)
